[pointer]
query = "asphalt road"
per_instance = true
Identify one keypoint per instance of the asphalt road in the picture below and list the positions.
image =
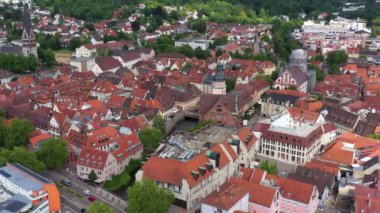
(72, 197)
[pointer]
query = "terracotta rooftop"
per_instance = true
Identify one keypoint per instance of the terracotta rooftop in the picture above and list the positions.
(227, 196)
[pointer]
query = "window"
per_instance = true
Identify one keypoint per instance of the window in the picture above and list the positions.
(218, 210)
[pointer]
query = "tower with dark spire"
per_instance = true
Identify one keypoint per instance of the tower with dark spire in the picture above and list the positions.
(219, 82)
(29, 44)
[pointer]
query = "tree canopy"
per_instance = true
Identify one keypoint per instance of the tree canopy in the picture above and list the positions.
(268, 167)
(143, 198)
(150, 137)
(18, 133)
(22, 156)
(92, 176)
(335, 59)
(98, 207)
(17, 63)
(160, 124)
(53, 153)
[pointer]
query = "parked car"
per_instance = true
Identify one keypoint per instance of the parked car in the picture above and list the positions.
(92, 198)
(66, 182)
(86, 192)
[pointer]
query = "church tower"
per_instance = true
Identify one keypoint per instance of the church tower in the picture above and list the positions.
(219, 82)
(29, 44)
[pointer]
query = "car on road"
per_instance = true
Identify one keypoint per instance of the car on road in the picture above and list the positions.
(66, 182)
(86, 192)
(92, 198)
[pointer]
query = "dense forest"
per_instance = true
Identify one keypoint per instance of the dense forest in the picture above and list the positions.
(223, 10)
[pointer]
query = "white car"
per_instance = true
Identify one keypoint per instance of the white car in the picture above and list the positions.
(86, 192)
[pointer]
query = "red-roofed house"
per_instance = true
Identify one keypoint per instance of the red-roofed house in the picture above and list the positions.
(229, 198)
(247, 145)
(106, 64)
(107, 162)
(103, 163)
(366, 199)
(103, 89)
(38, 140)
(193, 180)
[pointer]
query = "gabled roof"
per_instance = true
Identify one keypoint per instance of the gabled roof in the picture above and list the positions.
(341, 117)
(228, 195)
(193, 171)
(39, 138)
(293, 190)
(315, 177)
(107, 63)
(93, 158)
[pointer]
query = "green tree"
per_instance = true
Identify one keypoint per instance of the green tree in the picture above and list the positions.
(142, 198)
(219, 52)
(75, 42)
(126, 47)
(104, 51)
(136, 26)
(230, 83)
(266, 78)
(92, 176)
(334, 60)
(201, 54)
(150, 137)
(293, 87)
(160, 124)
(220, 41)
(47, 56)
(199, 25)
(3, 113)
(336, 57)
(3, 132)
(268, 167)
(98, 207)
(186, 50)
(24, 157)
(53, 153)
(18, 133)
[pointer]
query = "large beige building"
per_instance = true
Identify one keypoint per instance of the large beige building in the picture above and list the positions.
(294, 137)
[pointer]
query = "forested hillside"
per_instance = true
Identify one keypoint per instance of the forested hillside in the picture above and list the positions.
(221, 10)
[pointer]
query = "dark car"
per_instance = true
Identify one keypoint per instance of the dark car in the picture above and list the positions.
(92, 198)
(66, 182)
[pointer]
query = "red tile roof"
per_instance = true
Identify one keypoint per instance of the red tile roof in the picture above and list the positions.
(39, 138)
(366, 199)
(174, 171)
(93, 158)
(228, 195)
(294, 190)
(107, 63)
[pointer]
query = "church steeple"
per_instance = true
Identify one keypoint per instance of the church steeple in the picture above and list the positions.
(29, 44)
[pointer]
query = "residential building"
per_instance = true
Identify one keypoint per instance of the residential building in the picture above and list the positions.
(295, 77)
(194, 43)
(106, 64)
(194, 179)
(276, 101)
(324, 181)
(26, 191)
(108, 163)
(248, 146)
(228, 199)
(344, 121)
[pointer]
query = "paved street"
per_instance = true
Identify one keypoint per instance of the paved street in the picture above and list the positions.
(72, 197)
